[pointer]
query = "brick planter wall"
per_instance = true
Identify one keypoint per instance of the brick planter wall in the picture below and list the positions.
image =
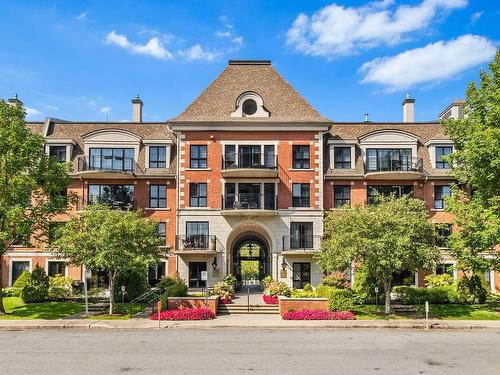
(287, 304)
(180, 303)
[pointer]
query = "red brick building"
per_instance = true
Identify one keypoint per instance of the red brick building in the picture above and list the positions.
(243, 176)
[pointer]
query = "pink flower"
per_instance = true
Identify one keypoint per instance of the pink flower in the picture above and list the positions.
(184, 314)
(318, 315)
(270, 300)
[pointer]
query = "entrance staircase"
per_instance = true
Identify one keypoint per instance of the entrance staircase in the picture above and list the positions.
(233, 309)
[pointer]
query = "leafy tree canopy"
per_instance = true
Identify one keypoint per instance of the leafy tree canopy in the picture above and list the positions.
(388, 237)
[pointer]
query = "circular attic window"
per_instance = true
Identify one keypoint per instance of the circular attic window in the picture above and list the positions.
(249, 107)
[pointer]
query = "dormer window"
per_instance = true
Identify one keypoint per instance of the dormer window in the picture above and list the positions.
(250, 104)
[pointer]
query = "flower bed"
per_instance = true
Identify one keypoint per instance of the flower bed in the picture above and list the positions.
(225, 301)
(318, 315)
(270, 300)
(184, 314)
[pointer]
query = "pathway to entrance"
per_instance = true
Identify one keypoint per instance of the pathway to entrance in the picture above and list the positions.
(241, 297)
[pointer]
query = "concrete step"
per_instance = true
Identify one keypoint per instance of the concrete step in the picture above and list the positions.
(244, 309)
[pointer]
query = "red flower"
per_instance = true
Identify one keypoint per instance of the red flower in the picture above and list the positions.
(270, 300)
(184, 314)
(318, 315)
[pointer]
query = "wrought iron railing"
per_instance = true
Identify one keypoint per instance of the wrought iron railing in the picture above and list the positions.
(117, 202)
(249, 201)
(256, 160)
(108, 164)
(197, 242)
(301, 242)
(390, 164)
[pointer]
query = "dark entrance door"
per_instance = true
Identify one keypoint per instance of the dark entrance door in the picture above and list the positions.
(250, 260)
(195, 269)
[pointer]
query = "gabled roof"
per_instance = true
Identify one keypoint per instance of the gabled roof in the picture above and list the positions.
(219, 99)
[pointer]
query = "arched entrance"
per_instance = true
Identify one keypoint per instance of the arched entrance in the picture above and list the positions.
(250, 255)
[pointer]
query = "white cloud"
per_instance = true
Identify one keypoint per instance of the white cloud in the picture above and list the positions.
(105, 110)
(154, 47)
(197, 52)
(223, 34)
(51, 107)
(475, 17)
(82, 16)
(336, 30)
(31, 112)
(433, 63)
(228, 33)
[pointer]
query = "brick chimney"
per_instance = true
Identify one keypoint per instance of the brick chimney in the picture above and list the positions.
(408, 109)
(137, 109)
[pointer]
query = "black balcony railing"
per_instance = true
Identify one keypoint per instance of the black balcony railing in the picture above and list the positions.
(256, 160)
(249, 201)
(301, 242)
(108, 164)
(197, 242)
(390, 164)
(116, 202)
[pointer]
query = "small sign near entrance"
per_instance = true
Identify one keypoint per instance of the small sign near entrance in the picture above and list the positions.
(204, 275)
(123, 288)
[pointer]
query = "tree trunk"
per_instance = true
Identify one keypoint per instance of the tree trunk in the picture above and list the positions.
(2, 309)
(387, 290)
(111, 291)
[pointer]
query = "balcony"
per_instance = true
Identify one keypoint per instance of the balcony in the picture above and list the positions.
(250, 164)
(107, 167)
(301, 244)
(249, 204)
(394, 168)
(122, 203)
(196, 244)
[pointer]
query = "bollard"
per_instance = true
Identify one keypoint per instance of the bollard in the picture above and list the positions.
(158, 307)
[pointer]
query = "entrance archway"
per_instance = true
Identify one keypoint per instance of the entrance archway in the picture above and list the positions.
(250, 255)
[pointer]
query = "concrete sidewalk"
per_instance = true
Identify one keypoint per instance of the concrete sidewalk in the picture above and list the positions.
(250, 321)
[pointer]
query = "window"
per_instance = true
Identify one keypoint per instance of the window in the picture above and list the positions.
(198, 194)
(301, 236)
(18, 267)
(342, 157)
(162, 233)
(249, 107)
(195, 270)
(440, 193)
(58, 152)
(442, 151)
(56, 268)
(301, 274)
(389, 159)
(22, 240)
(300, 195)
(197, 235)
(155, 273)
(301, 157)
(117, 196)
(111, 159)
(198, 156)
(341, 196)
(157, 196)
(443, 233)
(444, 268)
(157, 157)
(397, 190)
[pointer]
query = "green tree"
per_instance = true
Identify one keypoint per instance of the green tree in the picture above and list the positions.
(388, 237)
(30, 182)
(105, 239)
(476, 165)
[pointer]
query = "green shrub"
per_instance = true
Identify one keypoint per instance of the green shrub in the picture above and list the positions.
(277, 289)
(417, 296)
(364, 287)
(434, 281)
(471, 290)
(11, 292)
(303, 294)
(308, 288)
(335, 281)
(223, 290)
(37, 286)
(60, 287)
(174, 290)
(22, 280)
(230, 280)
(338, 299)
(135, 282)
(167, 281)
(267, 280)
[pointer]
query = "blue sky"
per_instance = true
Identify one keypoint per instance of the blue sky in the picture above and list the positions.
(86, 60)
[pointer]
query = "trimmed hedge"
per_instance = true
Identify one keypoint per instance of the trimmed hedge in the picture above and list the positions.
(174, 290)
(338, 299)
(416, 296)
(37, 286)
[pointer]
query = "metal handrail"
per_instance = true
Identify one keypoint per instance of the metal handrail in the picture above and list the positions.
(116, 202)
(108, 164)
(301, 242)
(196, 242)
(249, 201)
(394, 164)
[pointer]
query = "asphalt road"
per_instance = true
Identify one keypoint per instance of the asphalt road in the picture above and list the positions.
(245, 351)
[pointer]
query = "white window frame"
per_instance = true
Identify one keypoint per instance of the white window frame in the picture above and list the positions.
(11, 260)
(432, 144)
(47, 261)
(261, 144)
(158, 143)
(342, 143)
(68, 143)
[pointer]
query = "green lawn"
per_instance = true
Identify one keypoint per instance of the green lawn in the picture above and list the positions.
(122, 311)
(487, 311)
(17, 309)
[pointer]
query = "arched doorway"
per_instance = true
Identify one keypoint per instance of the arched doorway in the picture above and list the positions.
(250, 255)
